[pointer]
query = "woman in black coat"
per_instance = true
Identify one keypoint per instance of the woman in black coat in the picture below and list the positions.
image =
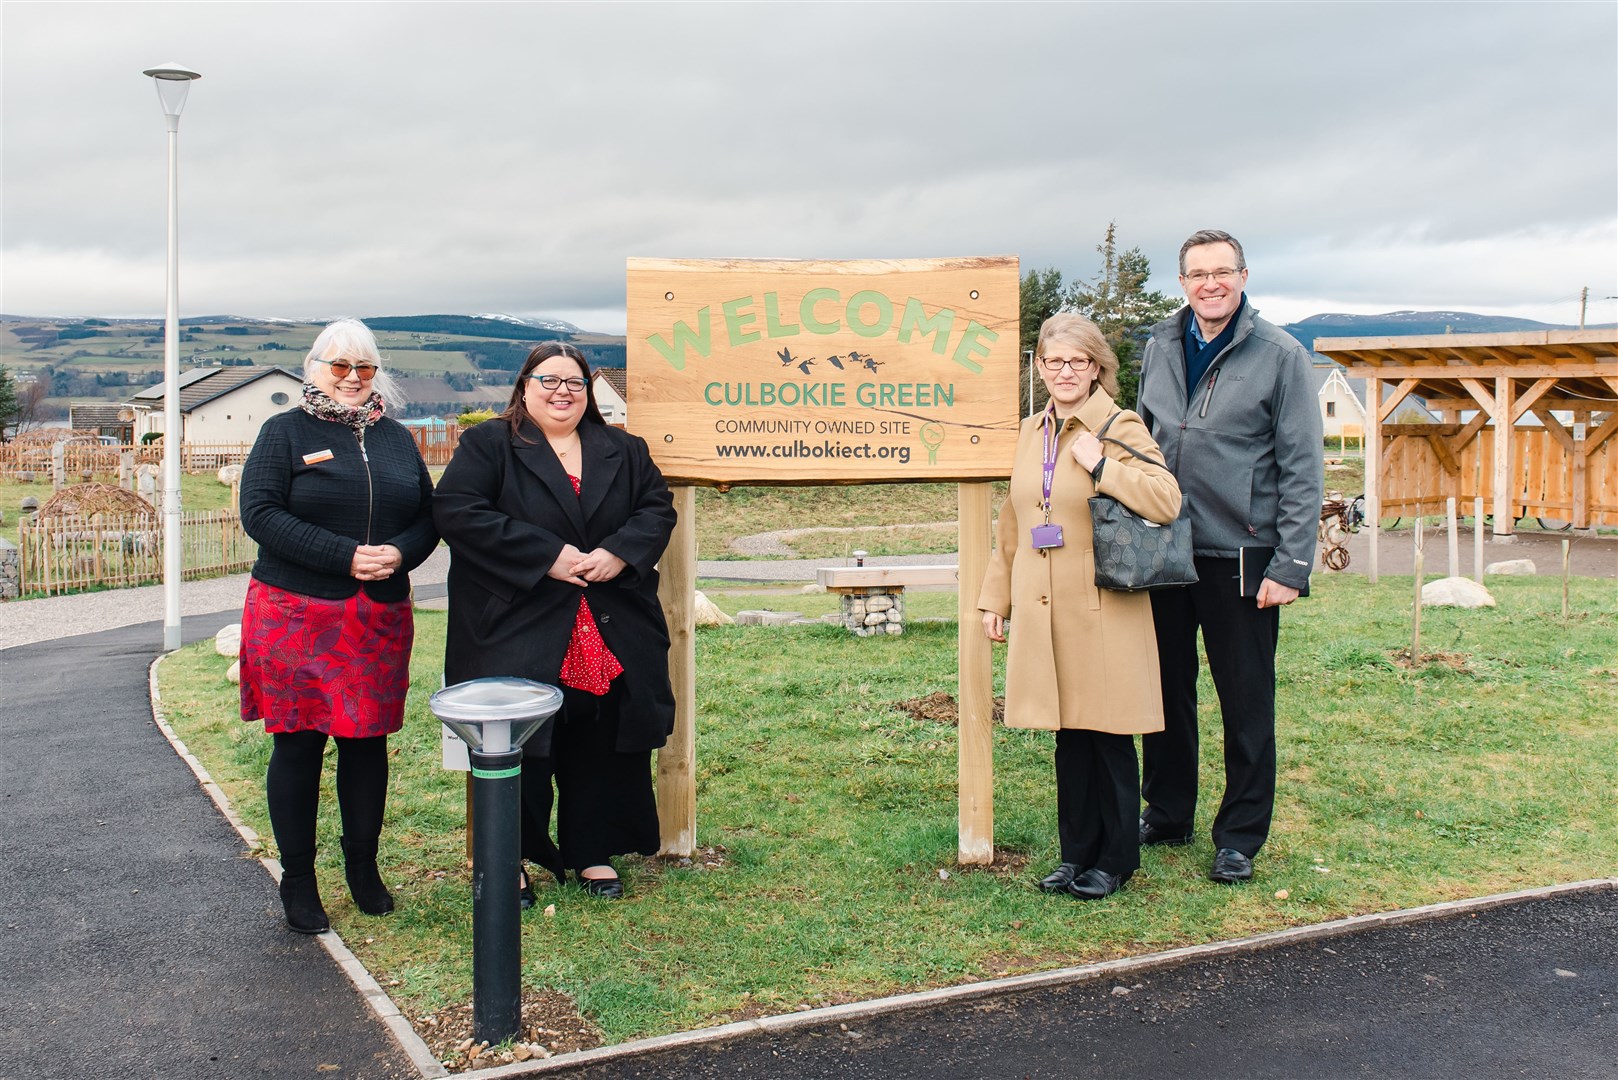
(555, 523)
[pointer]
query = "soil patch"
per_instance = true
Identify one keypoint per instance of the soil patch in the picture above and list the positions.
(550, 1025)
(940, 708)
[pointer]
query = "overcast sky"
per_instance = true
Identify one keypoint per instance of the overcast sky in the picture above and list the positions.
(393, 158)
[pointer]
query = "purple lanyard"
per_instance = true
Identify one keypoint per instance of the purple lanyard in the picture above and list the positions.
(1049, 443)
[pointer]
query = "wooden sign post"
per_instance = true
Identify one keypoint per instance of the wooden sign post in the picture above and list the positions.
(779, 372)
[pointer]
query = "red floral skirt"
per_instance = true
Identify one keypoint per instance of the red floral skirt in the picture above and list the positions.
(337, 666)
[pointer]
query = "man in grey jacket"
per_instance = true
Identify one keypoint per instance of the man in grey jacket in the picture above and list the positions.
(1228, 396)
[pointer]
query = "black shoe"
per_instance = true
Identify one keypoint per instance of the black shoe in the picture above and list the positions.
(300, 898)
(607, 888)
(1060, 878)
(1095, 883)
(364, 883)
(525, 890)
(1230, 866)
(1155, 836)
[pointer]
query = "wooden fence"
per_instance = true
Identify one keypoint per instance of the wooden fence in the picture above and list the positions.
(1420, 469)
(437, 445)
(69, 554)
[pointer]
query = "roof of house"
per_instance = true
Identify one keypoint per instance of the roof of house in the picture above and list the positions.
(617, 378)
(202, 385)
(95, 414)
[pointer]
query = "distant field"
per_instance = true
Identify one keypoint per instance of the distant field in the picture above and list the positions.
(134, 351)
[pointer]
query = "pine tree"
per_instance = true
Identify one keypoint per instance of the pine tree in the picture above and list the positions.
(1039, 298)
(8, 402)
(1118, 302)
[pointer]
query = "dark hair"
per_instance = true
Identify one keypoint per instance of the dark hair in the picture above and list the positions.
(1212, 236)
(517, 408)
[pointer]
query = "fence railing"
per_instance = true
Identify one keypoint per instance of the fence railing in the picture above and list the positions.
(69, 554)
(437, 445)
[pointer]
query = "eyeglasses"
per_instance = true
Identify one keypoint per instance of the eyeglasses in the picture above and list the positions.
(1053, 364)
(1224, 275)
(341, 368)
(554, 382)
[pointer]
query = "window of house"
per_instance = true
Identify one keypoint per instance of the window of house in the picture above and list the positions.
(278, 398)
(1331, 408)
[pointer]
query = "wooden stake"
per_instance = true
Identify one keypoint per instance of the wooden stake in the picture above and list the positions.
(1415, 615)
(1477, 539)
(1566, 547)
(676, 761)
(975, 686)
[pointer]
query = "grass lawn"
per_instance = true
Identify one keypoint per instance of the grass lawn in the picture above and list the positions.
(826, 816)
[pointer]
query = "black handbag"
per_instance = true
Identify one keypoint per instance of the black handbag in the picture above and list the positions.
(1133, 554)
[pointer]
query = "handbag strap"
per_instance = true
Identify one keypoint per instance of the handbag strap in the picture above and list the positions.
(1102, 436)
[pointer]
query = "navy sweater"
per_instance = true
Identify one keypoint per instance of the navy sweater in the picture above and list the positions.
(311, 494)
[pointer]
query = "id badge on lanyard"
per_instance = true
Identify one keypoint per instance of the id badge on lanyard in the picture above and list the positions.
(1047, 536)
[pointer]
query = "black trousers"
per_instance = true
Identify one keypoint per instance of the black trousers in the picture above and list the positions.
(604, 800)
(1097, 798)
(292, 791)
(1240, 641)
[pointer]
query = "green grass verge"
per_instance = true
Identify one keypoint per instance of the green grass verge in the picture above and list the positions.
(826, 816)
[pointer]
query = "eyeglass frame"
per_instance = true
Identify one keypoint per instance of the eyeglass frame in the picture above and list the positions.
(1077, 363)
(340, 368)
(1224, 275)
(561, 381)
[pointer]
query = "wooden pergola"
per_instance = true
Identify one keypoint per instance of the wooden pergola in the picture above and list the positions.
(1565, 467)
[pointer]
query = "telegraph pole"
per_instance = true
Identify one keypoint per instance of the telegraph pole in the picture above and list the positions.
(1584, 301)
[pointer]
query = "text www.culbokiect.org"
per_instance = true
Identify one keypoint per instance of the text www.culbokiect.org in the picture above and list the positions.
(825, 449)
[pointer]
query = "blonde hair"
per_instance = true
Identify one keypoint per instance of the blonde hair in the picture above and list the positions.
(1075, 330)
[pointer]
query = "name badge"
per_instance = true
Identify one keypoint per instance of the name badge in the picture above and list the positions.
(1046, 536)
(317, 457)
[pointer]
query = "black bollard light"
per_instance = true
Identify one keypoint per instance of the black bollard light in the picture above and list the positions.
(494, 717)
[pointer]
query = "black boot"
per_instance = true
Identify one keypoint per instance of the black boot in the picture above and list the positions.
(300, 898)
(364, 883)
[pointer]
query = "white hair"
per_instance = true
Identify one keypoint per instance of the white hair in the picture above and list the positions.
(352, 340)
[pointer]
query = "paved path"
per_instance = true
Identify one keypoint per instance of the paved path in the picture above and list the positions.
(137, 939)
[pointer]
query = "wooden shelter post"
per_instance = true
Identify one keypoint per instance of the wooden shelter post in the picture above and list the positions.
(1373, 467)
(975, 684)
(676, 762)
(1581, 470)
(1504, 522)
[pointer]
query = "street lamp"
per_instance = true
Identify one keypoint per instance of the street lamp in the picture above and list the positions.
(173, 84)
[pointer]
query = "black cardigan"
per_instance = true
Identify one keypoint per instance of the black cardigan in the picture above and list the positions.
(310, 496)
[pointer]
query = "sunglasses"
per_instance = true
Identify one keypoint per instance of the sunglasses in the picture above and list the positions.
(341, 368)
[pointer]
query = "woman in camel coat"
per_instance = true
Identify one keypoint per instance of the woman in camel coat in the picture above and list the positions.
(1082, 661)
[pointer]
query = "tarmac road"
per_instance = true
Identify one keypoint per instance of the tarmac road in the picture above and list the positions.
(137, 939)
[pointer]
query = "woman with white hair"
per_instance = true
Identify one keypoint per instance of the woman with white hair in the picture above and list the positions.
(339, 500)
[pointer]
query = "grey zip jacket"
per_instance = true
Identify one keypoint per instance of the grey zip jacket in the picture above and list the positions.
(1245, 442)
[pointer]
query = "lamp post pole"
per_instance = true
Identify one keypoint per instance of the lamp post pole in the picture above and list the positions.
(173, 84)
(494, 717)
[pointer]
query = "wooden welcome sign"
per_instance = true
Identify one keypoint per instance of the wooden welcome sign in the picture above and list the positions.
(775, 372)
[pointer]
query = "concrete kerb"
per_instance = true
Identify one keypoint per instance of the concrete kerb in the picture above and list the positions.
(381, 1005)
(428, 1065)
